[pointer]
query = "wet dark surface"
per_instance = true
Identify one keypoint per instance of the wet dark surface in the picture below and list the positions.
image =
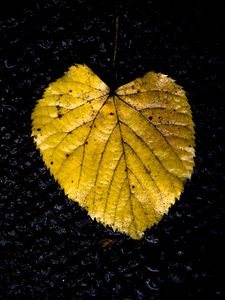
(49, 247)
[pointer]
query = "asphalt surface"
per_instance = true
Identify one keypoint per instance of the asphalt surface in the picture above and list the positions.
(49, 247)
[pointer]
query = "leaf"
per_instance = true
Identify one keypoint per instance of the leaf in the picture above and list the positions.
(123, 156)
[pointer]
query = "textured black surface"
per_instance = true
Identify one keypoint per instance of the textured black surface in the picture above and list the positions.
(49, 247)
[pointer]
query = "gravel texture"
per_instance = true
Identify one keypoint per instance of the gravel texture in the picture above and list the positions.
(49, 247)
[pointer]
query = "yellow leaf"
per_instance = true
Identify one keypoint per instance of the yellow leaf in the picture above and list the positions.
(123, 156)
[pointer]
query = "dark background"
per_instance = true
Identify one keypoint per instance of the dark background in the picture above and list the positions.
(49, 247)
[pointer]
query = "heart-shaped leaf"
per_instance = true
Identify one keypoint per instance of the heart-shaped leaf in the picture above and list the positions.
(123, 156)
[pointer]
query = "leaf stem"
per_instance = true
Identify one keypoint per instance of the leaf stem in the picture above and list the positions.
(115, 43)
